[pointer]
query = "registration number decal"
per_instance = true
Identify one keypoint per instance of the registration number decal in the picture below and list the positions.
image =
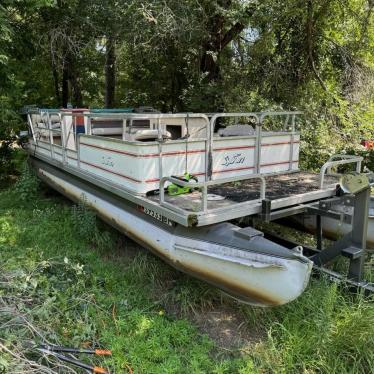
(156, 215)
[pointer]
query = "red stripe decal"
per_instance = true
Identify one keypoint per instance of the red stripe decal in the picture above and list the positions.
(171, 153)
(175, 153)
(112, 172)
(181, 152)
(202, 173)
(110, 150)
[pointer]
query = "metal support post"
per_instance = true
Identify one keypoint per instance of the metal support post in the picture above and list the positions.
(319, 233)
(266, 210)
(359, 234)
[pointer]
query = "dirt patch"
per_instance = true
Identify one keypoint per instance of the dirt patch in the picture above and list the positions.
(228, 328)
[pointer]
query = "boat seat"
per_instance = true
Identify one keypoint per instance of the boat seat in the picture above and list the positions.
(41, 118)
(101, 131)
(236, 130)
(149, 135)
(106, 126)
(54, 125)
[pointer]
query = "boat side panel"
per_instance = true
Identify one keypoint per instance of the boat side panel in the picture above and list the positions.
(135, 166)
(233, 156)
(275, 153)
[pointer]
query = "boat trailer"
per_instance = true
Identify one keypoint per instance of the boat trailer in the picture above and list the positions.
(123, 163)
(351, 245)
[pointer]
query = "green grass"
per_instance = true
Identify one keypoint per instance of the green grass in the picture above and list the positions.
(69, 279)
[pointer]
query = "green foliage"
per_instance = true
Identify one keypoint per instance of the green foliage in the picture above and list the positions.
(367, 154)
(315, 56)
(71, 292)
(86, 225)
(84, 218)
(27, 185)
(323, 331)
(6, 156)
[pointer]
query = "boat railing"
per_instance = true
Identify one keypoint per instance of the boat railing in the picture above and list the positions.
(157, 117)
(334, 161)
(203, 186)
(259, 119)
(337, 160)
(45, 118)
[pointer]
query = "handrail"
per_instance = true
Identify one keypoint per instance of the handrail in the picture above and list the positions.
(234, 115)
(145, 115)
(269, 113)
(293, 115)
(205, 185)
(347, 159)
(209, 126)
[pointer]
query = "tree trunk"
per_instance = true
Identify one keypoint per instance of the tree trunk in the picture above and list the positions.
(54, 74)
(65, 85)
(220, 34)
(211, 49)
(310, 42)
(110, 72)
(75, 87)
(77, 94)
(218, 39)
(56, 84)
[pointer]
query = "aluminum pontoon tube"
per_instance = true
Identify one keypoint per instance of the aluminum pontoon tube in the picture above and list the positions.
(333, 228)
(239, 261)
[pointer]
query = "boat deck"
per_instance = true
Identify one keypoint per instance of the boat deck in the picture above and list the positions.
(236, 199)
(277, 186)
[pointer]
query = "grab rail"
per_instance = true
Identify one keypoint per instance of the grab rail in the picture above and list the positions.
(204, 186)
(346, 159)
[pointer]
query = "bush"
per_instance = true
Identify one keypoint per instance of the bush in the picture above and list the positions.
(27, 185)
(86, 224)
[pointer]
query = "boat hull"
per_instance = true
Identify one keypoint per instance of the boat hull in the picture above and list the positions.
(253, 270)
